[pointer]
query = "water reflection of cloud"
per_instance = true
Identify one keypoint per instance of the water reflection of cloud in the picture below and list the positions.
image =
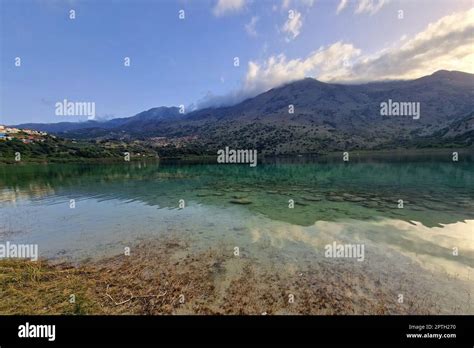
(34, 192)
(430, 247)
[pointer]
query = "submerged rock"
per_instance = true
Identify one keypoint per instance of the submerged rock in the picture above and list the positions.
(239, 196)
(335, 198)
(312, 198)
(240, 201)
(354, 199)
(371, 204)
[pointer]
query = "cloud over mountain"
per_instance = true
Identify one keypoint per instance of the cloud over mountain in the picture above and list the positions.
(444, 44)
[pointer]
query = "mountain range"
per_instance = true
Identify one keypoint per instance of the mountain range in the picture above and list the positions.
(325, 117)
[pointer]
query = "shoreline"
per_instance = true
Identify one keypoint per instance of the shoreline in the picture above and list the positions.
(210, 159)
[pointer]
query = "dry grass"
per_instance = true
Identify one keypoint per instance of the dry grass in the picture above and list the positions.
(28, 287)
(158, 275)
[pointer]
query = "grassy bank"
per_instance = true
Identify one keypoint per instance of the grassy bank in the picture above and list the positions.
(57, 150)
(405, 154)
(40, 288)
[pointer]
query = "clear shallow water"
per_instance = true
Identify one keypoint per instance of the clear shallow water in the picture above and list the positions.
(119, 205)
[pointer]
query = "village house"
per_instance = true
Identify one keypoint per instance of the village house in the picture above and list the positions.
(3, 135)
(25, 135)
(10, 130)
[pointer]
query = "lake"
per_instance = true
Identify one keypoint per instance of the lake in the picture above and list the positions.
(413, 215)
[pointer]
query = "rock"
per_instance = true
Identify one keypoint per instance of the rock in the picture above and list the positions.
(354, 199)
(371, 204)
(239, 196)
(312, 198)
(240, 201)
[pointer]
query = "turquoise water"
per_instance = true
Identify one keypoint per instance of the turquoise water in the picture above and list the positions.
(433, 193)
(237, 205)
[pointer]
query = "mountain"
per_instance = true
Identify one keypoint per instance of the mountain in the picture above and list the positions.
(327, 116)
(143, 120)
(59, 127)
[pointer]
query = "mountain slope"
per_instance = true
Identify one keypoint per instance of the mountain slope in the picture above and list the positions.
(332, 116)
(326, 117)
(143, 120)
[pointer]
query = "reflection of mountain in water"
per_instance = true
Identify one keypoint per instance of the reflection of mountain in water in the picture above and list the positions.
(434, 192)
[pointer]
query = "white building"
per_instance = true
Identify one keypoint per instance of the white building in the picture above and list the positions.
(11, 130)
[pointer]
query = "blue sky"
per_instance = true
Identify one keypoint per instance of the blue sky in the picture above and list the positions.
(190, 61)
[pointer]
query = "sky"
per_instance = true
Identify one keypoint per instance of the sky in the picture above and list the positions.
(190, 61)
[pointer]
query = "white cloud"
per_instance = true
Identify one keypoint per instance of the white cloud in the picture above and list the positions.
(285, 4)
(224, 7)
(342, 5)
(363, 6)
(326, 63)
(293, 25)
(250, 26)
(445, 44)
(370, 6)
(277, 70)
